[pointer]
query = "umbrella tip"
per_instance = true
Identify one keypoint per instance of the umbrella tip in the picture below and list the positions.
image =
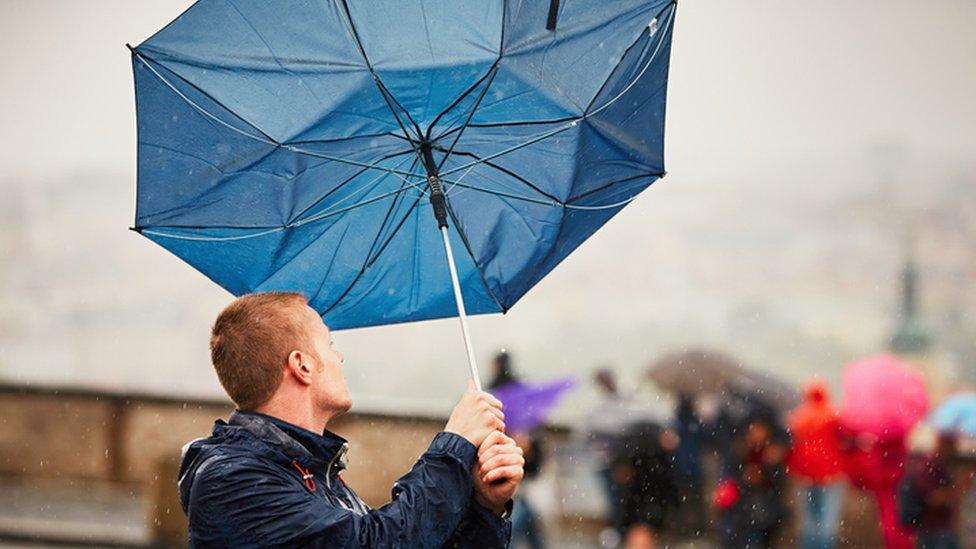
(131, 48)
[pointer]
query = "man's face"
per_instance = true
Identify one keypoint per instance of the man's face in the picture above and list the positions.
(329, 390)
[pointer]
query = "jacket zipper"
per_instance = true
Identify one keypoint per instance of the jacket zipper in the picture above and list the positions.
(354, 501)
(328, 470)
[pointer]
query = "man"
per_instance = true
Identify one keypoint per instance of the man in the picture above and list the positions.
(269, 476)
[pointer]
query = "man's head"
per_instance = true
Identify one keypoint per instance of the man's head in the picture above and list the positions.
(268, 345)
(606, 381)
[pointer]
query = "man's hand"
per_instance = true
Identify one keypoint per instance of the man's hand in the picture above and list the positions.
(477, 415)
(497, 472)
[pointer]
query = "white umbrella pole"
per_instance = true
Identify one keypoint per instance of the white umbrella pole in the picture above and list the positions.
(439, 201)
(462, 315)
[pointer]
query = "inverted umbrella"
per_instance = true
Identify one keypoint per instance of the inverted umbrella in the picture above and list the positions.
(294, 145)
(957, 414)
(883, 396)
(528, 405)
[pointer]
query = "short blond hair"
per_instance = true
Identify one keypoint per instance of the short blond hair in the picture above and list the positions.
(250, 343)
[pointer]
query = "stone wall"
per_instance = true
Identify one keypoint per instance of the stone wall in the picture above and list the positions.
(135, 440)
(48, 433)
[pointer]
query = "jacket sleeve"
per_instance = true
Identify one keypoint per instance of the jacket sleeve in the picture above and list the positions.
(251, 502)
(482, 528)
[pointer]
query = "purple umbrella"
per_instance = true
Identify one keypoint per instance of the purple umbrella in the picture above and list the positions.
(528, 405)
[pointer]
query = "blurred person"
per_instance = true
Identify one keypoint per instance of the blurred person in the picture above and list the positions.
(642, 467)
(270, 475)
(604, 427)
(504, 373)
(749, 499)
(688, 466)
(933, 484)
(736, 410)
(814, 460)
(876, 465)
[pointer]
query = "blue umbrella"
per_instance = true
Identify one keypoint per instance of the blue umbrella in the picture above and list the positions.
(294, 145)
(957, 414)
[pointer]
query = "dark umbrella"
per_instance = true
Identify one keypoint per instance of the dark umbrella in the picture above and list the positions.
(777, 393)
(294, 145)
(695, 371)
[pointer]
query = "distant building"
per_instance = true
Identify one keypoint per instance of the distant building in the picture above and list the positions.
(911, 339)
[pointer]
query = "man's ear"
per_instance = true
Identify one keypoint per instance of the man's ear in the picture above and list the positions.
(300, 367)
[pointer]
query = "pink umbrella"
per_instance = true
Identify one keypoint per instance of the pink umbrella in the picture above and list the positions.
(883, 396)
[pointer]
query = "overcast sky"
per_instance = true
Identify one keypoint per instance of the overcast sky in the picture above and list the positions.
(778, 102)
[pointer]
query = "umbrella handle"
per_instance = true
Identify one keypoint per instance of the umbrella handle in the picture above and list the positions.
(462, 315)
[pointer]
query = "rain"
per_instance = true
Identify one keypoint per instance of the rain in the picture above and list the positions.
(773, 344)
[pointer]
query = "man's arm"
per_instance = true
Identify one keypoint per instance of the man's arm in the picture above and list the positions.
(249, 501)
(252, 502)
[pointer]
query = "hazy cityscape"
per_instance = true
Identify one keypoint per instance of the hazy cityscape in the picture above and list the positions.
(793, 200)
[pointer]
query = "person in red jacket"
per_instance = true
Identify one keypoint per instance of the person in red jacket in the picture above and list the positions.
(815, 462)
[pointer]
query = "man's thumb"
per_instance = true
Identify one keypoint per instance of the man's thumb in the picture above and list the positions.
(471, 387)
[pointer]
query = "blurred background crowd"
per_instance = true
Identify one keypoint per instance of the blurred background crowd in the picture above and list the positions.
(731, 457)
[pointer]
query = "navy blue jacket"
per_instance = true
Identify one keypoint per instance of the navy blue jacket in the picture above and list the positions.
(260, 482)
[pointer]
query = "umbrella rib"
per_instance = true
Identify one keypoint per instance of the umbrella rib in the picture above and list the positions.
(506, 171)
(387, 96)
(389, 213)
(346, 181)
(474, 108)
(368, 263)
(372, 246)
(457, 101)
(573, 122)
(267, 139)
(491, 71)
(552, 120)
(151, 231)
(396, 230)
(474, 260)
(664, 31)
(610, 184)
(557, 203)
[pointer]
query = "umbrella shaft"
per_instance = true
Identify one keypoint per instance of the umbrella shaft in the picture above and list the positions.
(462, 315)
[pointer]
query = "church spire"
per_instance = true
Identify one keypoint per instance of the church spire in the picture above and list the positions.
(911, 336)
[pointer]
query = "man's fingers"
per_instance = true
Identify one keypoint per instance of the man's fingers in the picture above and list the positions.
(512, 473)
(491, 400)
(495, 438)
(489, 451)
(503, 460)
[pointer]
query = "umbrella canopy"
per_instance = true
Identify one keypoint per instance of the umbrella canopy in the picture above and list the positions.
(777, 393)
(883, 396)
(528, 405)
(695, 371)
(294, 146)
(957, 414)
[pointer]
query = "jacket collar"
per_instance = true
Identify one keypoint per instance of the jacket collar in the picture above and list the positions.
(293, 441)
